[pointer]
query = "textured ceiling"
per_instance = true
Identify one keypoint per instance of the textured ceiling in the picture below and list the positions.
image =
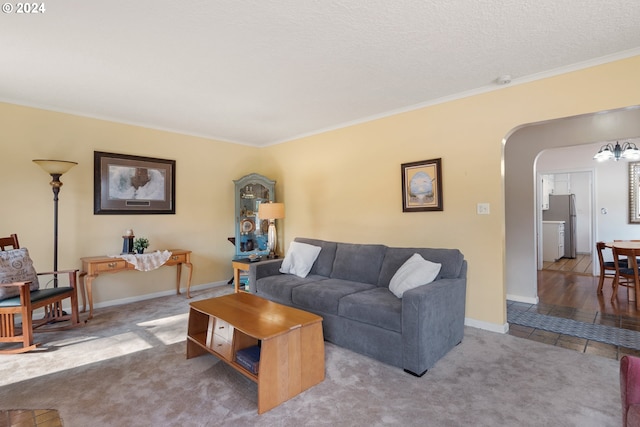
(260, 72)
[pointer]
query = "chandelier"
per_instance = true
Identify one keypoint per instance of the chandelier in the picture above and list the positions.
(610, 152)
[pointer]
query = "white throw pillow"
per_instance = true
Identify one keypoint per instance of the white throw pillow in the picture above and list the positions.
(299, 259)
(416, 271)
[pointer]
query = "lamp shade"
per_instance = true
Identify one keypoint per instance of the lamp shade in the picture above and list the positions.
(55, 167)
(271, 210)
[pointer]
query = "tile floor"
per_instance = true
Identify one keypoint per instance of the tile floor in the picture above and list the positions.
(573, 343)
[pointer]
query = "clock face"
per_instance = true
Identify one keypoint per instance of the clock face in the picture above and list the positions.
(247, 225)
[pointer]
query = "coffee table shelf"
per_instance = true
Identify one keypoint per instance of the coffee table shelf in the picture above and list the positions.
(291, 340)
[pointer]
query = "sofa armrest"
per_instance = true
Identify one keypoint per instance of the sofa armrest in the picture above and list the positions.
(261, 269)
(432, 322)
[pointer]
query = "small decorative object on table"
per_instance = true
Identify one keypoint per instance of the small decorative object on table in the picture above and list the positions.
(127, 243)
(140, 244)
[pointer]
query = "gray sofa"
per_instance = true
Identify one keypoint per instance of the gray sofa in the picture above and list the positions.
(348, 287)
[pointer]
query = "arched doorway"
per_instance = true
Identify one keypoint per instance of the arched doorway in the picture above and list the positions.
(521, 147)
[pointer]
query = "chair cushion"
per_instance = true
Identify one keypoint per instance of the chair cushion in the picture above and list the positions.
(626, 271)
(36, 296)
(16, 266)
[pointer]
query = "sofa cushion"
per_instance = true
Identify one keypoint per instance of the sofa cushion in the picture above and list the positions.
(16, 266)
(416, 271)
(324, 296)
(299, 259)
(324, 263)
(280, 286)
(377, 307)
(451, 260)
(358, 263)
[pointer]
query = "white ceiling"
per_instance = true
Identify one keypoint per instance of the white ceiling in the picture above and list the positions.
(260, 72)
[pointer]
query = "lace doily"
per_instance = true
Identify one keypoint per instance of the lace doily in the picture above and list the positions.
(146, 262)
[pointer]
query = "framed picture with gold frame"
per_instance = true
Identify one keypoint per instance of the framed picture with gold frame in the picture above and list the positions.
(422, 186)
(634, 192)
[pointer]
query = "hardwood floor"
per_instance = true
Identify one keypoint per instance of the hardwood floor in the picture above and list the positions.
(569, 283)
(567, 289)
(581, 264)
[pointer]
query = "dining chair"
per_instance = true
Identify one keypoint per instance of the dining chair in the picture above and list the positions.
(607, 268)
(628, 276)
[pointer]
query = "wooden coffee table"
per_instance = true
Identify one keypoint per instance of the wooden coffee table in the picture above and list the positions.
(291, 340)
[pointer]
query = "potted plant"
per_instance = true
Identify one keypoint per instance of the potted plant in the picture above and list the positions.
(140, 244)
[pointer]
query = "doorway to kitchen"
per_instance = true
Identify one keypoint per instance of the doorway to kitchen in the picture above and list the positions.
(523, 147)
(566, 213)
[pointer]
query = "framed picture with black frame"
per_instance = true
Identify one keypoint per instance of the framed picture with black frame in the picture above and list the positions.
(130, 185)
(422, 186)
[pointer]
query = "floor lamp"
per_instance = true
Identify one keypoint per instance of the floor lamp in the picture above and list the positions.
(271, 211)
(55, 168)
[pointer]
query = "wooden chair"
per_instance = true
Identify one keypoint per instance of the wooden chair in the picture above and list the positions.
(607, 268)
(628, 276)
(11, 241)
(49, 299)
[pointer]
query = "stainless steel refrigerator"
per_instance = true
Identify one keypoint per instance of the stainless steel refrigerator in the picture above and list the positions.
(563, 208)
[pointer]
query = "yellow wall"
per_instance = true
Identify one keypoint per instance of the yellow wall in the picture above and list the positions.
(345, 184)
(204, 196)
(341, 185)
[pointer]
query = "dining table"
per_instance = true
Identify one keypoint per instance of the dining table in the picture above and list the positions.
(624, 244)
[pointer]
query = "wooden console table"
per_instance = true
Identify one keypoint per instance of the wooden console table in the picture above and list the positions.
(94, 266)
(291, 342)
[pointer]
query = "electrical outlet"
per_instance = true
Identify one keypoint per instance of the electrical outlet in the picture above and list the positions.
(483, 209)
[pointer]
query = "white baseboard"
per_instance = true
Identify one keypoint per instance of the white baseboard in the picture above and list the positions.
(154, 295)
(492, 327)
(527, 300)
(66, 304)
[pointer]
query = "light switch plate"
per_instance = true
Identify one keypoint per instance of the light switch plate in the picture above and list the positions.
(483, 209)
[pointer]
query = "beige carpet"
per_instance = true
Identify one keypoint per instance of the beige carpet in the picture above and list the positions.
(127, 367)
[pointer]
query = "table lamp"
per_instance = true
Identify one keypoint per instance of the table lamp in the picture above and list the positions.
(271, 211)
